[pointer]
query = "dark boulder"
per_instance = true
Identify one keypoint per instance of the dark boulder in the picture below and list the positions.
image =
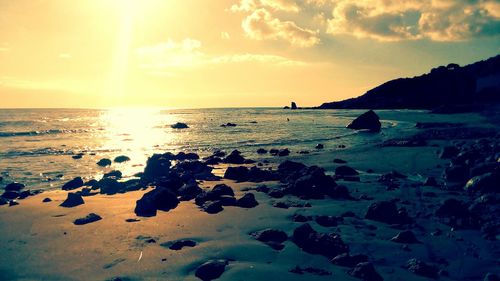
(234, 158)
(14, 186)
(113, 174)
(405, 237)
(270, 235)
(366, 271)
(109, 186)
(261, 151)
(229, 124)
(368, 120)
(189, 191)
(73, 184)
(121, 159)
(10, 194)
(421, 268)
(222, 189)
(449, 152)
(236, 173)
(72, 200)
(387, 212)
(293, 105)
(212, 207)
(157, 199)
(158, 165)
(87, 219)
(290, 167)
(487, 183)
(179, 244)
(179, 125)
(319, 146)
(104, 162)
(274, 151)
(349, 260)
(46, 200)
(284, 152)
(326, 244)
(343, 171)
(211, 270)
(247, 201)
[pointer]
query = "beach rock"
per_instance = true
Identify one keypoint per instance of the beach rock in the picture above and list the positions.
(326, 244)
(366, 271)
(109, 186)
(236, 173)
(227, 200)
(368, 120)
(90, 183)
(270, 235)
(179, 244)
(222, 189)
(211, 270)
(212, 207)
(158, 165)
(349, 260)
(430, 181)
(261, 151)
(228, 125)
(14, 186)
(25, 193)
(121, 159)
(339, 161)
(13, 203)
(387, 212)
(327, 221)
(449, 152)
(157, 199)
(457, 173)
(343, 171)
(104, 162)
(487, 183)
(247, 201)
(179, 125)
(258, 175)
(78, 156)
(284, 152)
(319, 146)
(113, 174)
(88, 219)
(72, 200)
(73, 184)
(288, 167)
(234, 158)
(181, 156)
(10, 194)
(421, 268)
(189, 191)
(3, 201)
(46, 200)
(213, 160)
(405, 237)
(293, 105)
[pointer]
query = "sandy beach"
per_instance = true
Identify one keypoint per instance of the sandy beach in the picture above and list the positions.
(39, 240)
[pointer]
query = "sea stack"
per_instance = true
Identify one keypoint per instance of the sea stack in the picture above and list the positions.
(366, 121)
(293, 105)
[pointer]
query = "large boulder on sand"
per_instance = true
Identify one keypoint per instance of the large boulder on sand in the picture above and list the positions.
(159, 198)
(211, 270)
(73, 184)
(368, 120)
(73, 200)
(326, 244)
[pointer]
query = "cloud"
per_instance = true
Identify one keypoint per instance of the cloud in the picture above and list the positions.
(437, 20)
(163, 58)
(278, 5)
(262, 25)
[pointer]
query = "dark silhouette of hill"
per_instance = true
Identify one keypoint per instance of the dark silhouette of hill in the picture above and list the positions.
(445, 86)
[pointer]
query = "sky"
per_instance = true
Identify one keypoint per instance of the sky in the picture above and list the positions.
(229, 53)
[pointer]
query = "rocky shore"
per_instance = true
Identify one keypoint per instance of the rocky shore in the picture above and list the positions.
(414, 208)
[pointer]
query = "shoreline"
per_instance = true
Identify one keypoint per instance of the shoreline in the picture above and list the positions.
(40, 241)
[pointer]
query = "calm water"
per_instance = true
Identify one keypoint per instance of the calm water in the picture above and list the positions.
(36, 145)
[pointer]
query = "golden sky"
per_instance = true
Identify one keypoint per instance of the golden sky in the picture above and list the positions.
(224, 53)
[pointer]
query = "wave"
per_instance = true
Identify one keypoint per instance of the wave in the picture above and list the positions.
(41, 132)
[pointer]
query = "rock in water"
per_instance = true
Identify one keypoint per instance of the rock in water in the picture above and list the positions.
(487, 183)
(121, 159)
(406, 237)
(211, 270)
(366, 271)
(104, 162)
(368, 120)
(14, 186)
(179, 125)
(247, 201)
(73, 184)
(293, 105)
(72, 200)
(88, 219)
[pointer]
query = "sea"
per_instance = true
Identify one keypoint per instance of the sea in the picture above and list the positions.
(37, 145)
